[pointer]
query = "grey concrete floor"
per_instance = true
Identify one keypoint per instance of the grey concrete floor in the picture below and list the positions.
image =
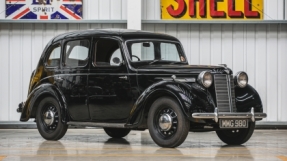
(94, 144)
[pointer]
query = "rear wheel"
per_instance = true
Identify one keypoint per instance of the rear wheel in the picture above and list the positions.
(117, 132)
(236, 136)
(167, 124)
(48, 119)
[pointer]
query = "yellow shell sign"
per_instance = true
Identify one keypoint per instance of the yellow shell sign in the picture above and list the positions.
(212, 9)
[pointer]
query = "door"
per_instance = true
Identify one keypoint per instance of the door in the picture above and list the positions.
(73, 78)
(110, 98)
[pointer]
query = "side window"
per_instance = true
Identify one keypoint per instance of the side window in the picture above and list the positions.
(107, 53)
(54, 57)
(76, 53)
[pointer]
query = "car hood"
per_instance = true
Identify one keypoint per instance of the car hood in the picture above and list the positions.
(180, 69)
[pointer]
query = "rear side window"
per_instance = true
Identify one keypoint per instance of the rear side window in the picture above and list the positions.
(54, 57)
(77, 53)
(107, 53)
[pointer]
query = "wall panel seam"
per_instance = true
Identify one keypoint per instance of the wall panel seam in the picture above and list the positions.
(278, 73)
(21, 56)
(9, 71)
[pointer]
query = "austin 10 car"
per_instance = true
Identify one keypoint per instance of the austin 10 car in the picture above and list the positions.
(123, 80)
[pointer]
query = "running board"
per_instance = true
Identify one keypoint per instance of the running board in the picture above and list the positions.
(95, 124)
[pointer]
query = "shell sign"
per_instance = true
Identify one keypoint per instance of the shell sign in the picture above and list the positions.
(212, 9)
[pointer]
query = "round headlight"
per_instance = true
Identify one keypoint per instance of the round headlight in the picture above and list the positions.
(205, 78)
(241, 79)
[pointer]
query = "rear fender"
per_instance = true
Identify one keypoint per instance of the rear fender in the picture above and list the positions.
(35, 96)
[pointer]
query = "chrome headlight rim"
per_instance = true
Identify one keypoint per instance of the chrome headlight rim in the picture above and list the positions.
(239, 82)
(201, 79)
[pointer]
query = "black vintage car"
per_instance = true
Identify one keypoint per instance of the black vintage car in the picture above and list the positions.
(125, 80)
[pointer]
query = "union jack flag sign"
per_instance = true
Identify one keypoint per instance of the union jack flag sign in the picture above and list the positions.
(44, 9)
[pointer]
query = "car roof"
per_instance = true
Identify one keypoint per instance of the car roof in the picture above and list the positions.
(124, 33)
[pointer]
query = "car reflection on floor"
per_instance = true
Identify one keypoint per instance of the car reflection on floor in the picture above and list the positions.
(91, 144)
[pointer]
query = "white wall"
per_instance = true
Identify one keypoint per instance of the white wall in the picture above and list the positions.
(105, 9)
(134, 14)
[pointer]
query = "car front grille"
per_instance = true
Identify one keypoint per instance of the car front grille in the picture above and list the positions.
(224, 90)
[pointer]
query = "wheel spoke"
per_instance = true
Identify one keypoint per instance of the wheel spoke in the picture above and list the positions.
(174, 115)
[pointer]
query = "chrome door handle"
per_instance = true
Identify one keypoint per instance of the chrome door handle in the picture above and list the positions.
(124, 77)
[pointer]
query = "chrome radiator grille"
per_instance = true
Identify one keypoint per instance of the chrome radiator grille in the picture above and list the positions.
(233, 107)
(224, 90)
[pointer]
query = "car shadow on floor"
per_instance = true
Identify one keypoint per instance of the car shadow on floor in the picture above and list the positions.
(121, 141)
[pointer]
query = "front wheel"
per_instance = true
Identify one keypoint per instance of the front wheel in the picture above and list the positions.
(48, 118)
(167, 124)
(117, 132)
(236, 136)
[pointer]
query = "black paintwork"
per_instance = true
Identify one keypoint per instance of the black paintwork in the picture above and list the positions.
(97, 94)
(247, 97)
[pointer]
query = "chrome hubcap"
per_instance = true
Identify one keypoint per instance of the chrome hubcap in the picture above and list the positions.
(49, 117)
(165, 122)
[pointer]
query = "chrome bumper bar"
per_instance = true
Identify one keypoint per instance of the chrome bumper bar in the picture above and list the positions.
(228, 115)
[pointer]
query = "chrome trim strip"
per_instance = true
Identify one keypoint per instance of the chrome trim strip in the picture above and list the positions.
(229, 93)
(232, 89)
(95, 124)
(252, 114)
(177, 79)
(215, 115)
(224, 115)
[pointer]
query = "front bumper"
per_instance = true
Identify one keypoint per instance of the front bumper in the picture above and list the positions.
(228, 115)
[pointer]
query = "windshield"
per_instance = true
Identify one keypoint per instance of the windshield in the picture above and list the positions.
(155, 52)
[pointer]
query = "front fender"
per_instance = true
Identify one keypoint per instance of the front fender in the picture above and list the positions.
(192, 98)
(30, 106)
(246, 98)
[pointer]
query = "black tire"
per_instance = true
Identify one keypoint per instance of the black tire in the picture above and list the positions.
(236, 136)
(57, 129)
(177, 132)
(117, 132)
